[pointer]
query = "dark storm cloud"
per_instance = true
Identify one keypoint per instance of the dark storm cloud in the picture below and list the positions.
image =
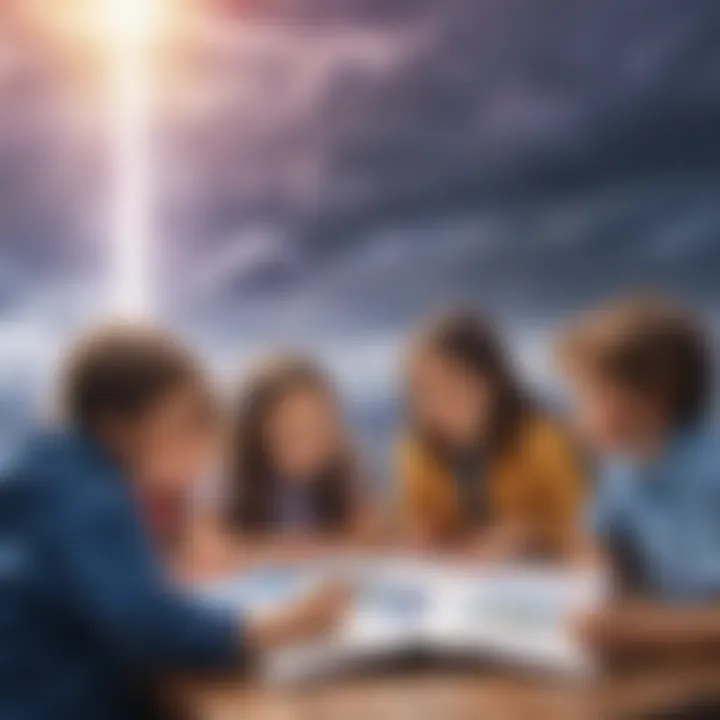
(335, 166)
(50, 220)
(50, 184)
(486, 98)
(329, 170)
(527, 155)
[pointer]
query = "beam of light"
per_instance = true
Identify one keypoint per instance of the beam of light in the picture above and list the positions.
(121, 37)
(129, 27)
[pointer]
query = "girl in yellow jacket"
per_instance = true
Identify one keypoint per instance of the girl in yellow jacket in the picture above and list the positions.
(481, 468)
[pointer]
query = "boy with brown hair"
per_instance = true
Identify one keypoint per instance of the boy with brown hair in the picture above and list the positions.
(86, 616)
(641, 374)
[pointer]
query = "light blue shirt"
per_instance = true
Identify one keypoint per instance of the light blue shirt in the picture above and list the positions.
(666, 515)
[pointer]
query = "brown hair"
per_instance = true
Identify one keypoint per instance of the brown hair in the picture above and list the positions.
(468, 339)
(121, 371)
(254, 480)
(649, 346)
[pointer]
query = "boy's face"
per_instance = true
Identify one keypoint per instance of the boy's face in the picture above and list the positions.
(615, 420)
(173, 444)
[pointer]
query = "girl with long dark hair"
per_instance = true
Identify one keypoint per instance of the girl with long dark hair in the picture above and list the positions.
(481, 464)
(294, 471)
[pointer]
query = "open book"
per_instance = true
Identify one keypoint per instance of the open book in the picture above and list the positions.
(515, 615)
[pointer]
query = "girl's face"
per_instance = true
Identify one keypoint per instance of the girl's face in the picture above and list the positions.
(447, 399)
(303, 434)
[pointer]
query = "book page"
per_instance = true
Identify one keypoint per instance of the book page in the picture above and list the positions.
(515, 615)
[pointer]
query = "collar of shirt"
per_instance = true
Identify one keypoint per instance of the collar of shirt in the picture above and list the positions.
(683, 448)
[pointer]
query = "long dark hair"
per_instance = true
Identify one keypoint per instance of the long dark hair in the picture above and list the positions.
(254, 482)
(466, 338)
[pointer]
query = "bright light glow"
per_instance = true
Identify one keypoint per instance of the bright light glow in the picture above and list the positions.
(124, 34)
(130, 23)
(129, 29)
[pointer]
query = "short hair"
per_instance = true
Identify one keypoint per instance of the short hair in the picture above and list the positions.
(649, 346)
(122, 371)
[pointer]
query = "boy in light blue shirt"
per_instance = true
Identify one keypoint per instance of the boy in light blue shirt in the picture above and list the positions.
(662, 517)
(641, 373)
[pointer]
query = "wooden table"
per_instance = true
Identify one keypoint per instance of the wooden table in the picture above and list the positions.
(413, 696)
(457, 693)
(452, 694)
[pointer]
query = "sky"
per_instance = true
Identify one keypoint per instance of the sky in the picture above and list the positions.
(327, 172)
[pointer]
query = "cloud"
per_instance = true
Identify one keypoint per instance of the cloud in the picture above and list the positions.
(368, 136)
(330, 170)
(258, 255)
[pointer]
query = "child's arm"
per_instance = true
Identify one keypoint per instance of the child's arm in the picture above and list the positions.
(553, 505)
(544, 495)
(641, 627)
(112, 584)
(423, 520)
(290, 548)
(310, 617)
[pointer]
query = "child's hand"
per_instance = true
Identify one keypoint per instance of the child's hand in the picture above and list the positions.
(498, 544)
(309, 618)
(610, 630)
(589, 629)
(320, 612)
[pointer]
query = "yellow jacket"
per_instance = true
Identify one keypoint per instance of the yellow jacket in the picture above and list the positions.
(537, 482)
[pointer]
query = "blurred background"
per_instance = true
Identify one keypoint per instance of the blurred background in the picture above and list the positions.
(322, 173)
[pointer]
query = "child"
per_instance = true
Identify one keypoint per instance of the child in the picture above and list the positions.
(294, 470)
(641, 374)
(86, 618)
(481, 467)
(173, 510)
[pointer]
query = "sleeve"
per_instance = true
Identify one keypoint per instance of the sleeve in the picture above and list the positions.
(703, 572)
(421, 516)
(110, 579)
(605, 512)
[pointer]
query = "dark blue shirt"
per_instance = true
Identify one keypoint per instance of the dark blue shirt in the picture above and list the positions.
(86, 617)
